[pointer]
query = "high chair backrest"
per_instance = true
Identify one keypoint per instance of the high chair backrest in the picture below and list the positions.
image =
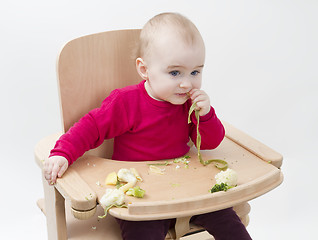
(89, 68)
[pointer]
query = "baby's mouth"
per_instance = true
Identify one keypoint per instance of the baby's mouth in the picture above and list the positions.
(183, 94)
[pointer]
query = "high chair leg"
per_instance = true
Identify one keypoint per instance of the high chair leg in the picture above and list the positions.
(55, 212)
(182, 226)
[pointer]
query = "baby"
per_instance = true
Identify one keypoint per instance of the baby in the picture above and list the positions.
(148, 121)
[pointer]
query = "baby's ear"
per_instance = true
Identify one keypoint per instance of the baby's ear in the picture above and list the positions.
(142, 68)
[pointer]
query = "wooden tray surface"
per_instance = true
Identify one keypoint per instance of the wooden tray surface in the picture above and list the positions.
(184, 191)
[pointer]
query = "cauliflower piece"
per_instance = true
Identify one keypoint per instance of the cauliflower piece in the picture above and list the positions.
(116, 197)
(112, 197)
(126, 175)
(228, 177)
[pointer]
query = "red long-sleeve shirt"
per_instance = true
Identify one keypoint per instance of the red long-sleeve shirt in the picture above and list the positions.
(142, 127)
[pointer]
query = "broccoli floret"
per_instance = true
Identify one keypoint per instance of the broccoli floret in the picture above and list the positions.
(136, 192)
(220, 187)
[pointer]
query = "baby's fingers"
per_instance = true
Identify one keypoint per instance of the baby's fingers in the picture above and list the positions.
(194, 93)
(62, 170)
(54, 167)
(47, 170)
(57, 171)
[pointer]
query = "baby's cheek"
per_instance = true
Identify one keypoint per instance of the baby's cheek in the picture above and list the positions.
(197, 84)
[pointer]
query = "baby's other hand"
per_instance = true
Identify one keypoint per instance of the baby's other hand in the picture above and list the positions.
(202, 101)
(54, 167)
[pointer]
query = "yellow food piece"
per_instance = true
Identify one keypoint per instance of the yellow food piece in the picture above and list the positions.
(111, 179)
(127, 186)
(157, 170)
(134, 171)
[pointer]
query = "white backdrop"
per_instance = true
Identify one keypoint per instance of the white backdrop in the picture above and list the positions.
(261, 75)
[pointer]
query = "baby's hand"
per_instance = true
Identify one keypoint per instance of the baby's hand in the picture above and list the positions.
(54, 167)
(202, 101)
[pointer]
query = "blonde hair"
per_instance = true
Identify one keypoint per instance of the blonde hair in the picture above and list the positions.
(182, 26)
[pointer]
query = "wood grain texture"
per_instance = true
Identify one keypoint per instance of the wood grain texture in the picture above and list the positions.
(251, 144)
(55, 212)
(90, 67)
(180, 192)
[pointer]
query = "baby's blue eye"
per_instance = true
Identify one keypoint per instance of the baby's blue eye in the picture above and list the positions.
(194, 73)
(174, 73)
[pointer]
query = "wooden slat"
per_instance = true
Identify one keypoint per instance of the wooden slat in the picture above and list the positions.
(90, 67)
(251, 144)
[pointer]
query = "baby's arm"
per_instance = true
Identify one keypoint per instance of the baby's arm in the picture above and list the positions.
(202, 101)
(108, 121)
(54, 167)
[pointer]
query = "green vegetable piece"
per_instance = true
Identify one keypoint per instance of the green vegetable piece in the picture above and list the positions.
(220, 164)
(166, 163)
(181, 159)
(220, 187)
(119, 184)
(109, 207)
(198, 142)
(175, 184)
(136, 192)
(193, 106)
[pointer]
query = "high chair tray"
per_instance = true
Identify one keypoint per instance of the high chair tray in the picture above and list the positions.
(179, 191)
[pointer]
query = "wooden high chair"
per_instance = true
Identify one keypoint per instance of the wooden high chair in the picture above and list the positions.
(89, 68)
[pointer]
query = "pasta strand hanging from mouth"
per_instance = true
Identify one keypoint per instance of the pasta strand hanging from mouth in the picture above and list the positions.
(218, 163)
(198, 141)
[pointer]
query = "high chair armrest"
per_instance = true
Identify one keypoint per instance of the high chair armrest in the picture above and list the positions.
(43, 147)
(72, 187)
(81, 196)
(254, 146)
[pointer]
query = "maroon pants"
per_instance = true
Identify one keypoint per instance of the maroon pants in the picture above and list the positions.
(222, 225)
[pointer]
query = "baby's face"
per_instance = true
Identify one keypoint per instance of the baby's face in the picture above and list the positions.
(174, 67)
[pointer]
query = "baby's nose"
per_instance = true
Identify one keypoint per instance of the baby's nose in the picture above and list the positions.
(186, 84)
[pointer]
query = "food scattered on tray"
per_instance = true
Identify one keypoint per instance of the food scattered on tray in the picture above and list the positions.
(185, 160)
(125, 181)
(225, 180)
(157, 170)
